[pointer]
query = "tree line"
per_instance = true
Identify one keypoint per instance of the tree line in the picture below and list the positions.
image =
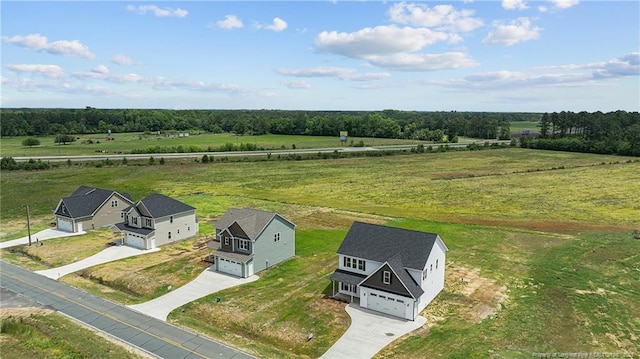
(607, 133)
(383, 124)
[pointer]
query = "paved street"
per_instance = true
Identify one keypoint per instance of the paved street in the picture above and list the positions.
(149, 334)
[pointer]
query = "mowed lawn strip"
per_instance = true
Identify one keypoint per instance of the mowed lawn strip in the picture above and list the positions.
(123, 143)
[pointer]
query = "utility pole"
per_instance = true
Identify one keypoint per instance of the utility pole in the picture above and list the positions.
(28, 223)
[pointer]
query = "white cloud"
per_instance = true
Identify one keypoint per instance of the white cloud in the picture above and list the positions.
(50, 71)
(100, 69)
(514, 5)
(157, 11)
(566, 75)
(230, 22)
(564, 4)
(122, 60)
(342, 73)
(423, 62)
(516, 31)
(297, 85)
(277, 25)
(543, 8)
(61, 47)
(377, 41)
(440, 17)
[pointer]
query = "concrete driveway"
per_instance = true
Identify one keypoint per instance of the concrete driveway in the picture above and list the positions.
(369, 332)
(109, 254)
(43, 235)
(206, 283)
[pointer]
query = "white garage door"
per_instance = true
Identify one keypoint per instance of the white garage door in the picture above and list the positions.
(65, 225)
(384, 304)
(230, 267)
(134, 241)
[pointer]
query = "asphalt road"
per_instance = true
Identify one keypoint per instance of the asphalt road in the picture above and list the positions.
(149, 334)
(101, 157)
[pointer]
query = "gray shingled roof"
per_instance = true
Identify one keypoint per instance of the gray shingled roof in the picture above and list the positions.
(252, 221)
(84, 201)
(160, 205)
(143, 231)
(380, 243)
(341, 275)
(398, 267)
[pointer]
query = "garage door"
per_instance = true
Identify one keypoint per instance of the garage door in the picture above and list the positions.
(65, 225)
(230, 267)
(134, 241)
(384, 304)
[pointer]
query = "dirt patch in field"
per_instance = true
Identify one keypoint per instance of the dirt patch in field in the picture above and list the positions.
(467, 295)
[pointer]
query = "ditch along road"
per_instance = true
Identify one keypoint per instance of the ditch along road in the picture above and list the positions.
(214, 155)
(153, 336)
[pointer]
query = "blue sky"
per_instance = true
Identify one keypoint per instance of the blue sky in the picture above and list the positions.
(511, 55)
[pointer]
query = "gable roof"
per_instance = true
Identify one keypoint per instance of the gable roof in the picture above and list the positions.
(85, 201)
(378, 243)
(251, 221)
(159, 205)
(408, 285)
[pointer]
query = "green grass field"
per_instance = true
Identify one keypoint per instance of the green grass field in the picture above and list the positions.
(126, 142)
(517, 127)
(543, 238)
(51, 335)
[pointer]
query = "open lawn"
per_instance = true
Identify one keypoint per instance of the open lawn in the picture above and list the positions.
(517, 127)
(542, 240)
(126, 142)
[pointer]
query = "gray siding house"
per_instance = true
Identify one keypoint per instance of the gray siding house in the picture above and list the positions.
(89, 208)
(157, 220)
(250, 240)
(391, 270)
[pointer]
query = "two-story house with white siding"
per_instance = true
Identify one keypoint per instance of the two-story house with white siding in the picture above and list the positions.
(157, 220)
(391, 270)
(251, 240)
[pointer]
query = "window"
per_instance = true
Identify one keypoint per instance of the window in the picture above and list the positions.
(188, 228)
(178, 231)
(276, 237)
(171, 219)
(114, 203)
(354, 263)
(436, 264)
(348, 287)
(121, 215)
(243, 244)
(399, 300)
(169, 235)
(373, 294)
(431, 268)
(424, 274)
(386, 277)
(135, 220)
(226, 241)
(148, 222)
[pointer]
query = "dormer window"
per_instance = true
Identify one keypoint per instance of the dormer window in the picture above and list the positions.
(386, 277)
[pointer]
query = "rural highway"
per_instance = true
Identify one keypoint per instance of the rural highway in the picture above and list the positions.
(151, 335)
(116, 157)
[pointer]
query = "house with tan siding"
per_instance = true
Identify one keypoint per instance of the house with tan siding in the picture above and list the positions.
(89, 207)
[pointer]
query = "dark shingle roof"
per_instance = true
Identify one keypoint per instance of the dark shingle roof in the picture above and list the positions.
(123, 227)
(252, 221)
(160, 205)
(380, 243)
(341, 275)
(84, 201)
(396, 264)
